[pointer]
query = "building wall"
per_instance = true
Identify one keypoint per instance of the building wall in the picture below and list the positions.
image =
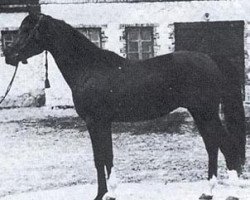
(114, 16)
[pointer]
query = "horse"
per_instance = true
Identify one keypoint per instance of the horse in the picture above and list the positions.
(108, 88)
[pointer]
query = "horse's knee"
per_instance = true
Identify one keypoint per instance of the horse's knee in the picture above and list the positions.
(109, 164)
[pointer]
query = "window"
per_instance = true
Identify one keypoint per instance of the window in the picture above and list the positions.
(139, 43)
(93, 34)
(247, 89)
(7, 38)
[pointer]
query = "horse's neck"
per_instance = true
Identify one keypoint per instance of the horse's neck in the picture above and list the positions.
(72, 58)
(68, 68)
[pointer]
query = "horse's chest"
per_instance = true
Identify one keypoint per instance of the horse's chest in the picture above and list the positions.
(92, 98)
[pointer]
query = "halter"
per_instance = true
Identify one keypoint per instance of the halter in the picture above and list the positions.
(33, 30)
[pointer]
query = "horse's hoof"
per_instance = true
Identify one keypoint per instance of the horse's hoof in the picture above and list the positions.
(100, 197)
(109, 198)
(232, 198)
(205, 197)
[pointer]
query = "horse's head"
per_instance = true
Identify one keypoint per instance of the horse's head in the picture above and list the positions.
(29, 40)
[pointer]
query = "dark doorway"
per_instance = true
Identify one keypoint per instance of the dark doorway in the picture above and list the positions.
(221, 38)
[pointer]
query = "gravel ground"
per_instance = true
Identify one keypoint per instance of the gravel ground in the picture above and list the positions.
(49, 149)
(137, 191)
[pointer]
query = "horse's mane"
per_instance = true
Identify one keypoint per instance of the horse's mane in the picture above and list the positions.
(83, 44)
(82, 40)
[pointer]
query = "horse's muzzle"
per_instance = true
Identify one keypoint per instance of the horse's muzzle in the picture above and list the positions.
(11, 60)
(14, 60)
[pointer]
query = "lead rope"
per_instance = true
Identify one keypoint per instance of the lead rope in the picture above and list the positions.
(9, 86)
(47, 84)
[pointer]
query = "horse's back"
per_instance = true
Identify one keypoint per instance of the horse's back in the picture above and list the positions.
(201, 82)
(194, 77)
(186, 67)
(155, 87)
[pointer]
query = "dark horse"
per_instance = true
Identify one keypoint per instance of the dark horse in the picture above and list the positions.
(107, 88)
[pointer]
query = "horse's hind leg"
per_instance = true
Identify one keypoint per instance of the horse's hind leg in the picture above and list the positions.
(208, 124)
(214, 136)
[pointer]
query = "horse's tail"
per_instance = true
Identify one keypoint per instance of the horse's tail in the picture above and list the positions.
(232, 104)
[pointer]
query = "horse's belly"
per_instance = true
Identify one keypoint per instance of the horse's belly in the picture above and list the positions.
(131, 113)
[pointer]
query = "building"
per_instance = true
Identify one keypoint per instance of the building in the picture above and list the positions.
(136, 29)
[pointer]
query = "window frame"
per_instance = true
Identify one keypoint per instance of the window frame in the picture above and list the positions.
(87, 29)
(140, 40)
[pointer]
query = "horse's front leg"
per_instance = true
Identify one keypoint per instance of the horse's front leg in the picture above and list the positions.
(100, 134)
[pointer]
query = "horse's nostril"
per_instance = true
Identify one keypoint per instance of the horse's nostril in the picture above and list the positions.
(25, 61)
(15, 55)
(11, 59)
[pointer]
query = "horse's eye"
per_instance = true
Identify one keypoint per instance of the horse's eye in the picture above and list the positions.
(24, 31)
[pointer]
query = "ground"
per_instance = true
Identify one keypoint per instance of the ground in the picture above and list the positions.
(46, 154)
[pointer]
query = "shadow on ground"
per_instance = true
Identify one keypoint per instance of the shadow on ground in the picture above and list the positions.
(173, 123)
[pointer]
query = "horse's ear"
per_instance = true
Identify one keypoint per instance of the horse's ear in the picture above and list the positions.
(33, 15)
(33, 12)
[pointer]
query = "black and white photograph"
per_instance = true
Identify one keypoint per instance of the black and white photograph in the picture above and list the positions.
(124, 100)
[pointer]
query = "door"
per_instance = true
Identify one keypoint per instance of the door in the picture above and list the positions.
(223, 38)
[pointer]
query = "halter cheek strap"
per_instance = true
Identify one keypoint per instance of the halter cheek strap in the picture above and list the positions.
(35, 28)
